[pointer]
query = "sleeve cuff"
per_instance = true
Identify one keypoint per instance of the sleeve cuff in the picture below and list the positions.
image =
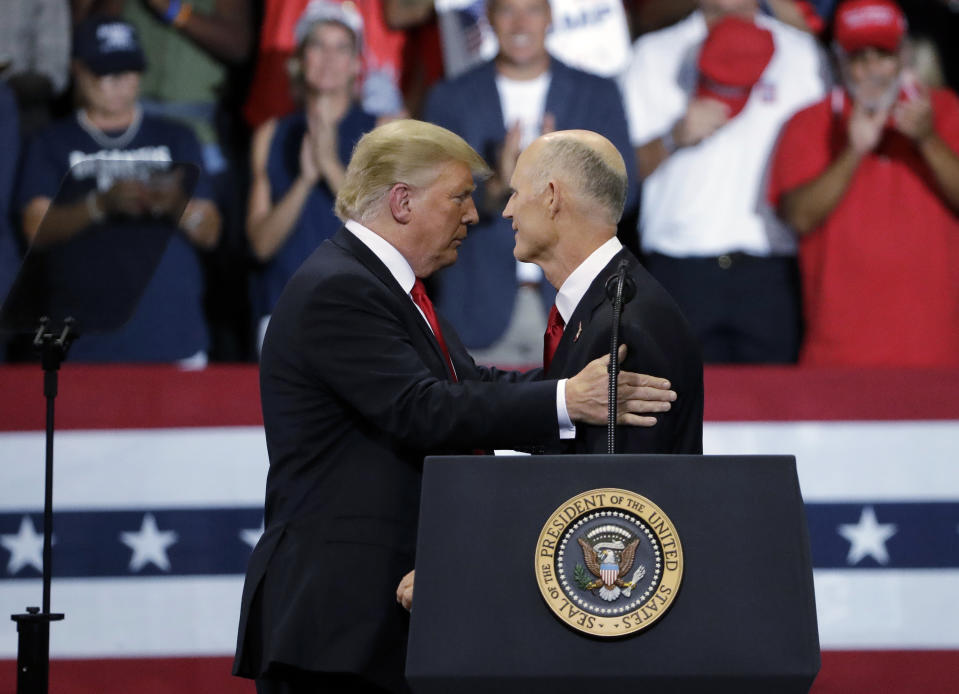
(567, 430)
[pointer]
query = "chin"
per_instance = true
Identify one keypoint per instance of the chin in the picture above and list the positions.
(446, 260)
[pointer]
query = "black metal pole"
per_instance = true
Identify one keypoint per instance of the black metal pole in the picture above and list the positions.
(33, 627)
(50, 382)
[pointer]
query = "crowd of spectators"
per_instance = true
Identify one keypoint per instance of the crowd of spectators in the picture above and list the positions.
(793, 164)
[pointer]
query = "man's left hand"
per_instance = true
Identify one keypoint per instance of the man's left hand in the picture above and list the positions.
(913, 117)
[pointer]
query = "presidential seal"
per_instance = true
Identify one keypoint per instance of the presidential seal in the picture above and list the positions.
(609, 562)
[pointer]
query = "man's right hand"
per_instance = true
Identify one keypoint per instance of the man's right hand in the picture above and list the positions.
(865, 128)
(638, 395)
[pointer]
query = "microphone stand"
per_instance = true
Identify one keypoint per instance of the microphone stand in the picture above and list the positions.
(33, 627)
(620, 289)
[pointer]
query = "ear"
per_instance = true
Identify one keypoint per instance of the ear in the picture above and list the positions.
(400, 203)
(553, 199)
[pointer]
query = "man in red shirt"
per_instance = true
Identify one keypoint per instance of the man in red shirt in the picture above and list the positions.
(869, 179)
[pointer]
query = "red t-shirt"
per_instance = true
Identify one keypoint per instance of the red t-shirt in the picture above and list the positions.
(880, 276)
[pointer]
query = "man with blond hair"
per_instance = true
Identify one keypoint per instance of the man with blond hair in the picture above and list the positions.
(360, 379)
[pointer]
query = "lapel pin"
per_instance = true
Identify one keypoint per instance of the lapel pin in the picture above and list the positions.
(579, 331)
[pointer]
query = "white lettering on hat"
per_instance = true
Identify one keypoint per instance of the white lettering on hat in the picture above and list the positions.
(869, 16)
(116, 37)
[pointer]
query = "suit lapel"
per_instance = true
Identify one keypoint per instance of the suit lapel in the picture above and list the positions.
(409, 314)
(560, 92)
(486, 101)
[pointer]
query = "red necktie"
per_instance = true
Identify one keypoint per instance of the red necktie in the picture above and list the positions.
(421, 299)
(554, 333)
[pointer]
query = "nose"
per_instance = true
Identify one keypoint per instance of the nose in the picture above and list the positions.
(508, 210)
(470, 215)
(874, 61)
(871, 61)
(521, 19)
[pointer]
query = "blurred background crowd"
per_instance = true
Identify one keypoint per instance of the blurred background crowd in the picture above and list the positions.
(794, 164)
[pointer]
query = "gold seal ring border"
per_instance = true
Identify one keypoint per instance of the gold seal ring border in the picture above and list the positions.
(549, 582)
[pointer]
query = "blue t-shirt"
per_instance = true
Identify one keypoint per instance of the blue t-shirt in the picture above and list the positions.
(317, 221)
(168, 323)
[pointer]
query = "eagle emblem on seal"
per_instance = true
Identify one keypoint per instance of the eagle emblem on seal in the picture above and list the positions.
(609, 552)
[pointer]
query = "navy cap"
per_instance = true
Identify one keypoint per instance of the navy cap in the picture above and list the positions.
(107, 45)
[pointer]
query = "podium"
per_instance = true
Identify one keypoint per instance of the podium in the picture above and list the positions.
(742, 620)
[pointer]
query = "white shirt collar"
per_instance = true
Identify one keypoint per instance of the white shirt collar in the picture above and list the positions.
(386, 252)
(580, 279)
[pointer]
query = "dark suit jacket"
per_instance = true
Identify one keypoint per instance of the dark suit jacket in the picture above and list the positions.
(659, 342)
(477, 294)
(355, 393)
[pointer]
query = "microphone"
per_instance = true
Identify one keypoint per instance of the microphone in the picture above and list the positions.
(620, 288)
(621, 278)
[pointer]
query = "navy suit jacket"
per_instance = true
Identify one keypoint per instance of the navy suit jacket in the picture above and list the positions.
(478, 292)
(355, 392)
(659, 341)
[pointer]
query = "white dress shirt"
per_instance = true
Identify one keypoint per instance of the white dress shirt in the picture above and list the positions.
(579, 280)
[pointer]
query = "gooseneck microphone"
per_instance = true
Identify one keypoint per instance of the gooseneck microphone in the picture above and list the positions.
(621, 284)
(620, 288)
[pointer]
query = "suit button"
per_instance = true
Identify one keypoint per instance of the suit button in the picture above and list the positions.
(724, 261)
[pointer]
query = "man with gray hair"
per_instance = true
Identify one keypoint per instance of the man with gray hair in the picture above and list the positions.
(568, 191)
(567, 195)
(360, 380)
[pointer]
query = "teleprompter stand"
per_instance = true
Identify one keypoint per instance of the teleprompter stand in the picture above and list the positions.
(85, 272)
(743, 620)
(33, 627)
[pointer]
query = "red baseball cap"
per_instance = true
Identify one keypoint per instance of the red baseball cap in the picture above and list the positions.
(732, 59)
(863, 24)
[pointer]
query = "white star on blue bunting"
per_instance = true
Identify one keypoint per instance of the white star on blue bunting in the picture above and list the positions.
(149, 544)
(26, 547)
(867, 538)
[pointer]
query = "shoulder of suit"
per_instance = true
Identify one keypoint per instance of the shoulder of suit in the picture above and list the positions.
(478, 73)
(333, 269)
(580, 77)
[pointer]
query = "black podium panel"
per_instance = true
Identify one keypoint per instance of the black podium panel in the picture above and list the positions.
(743, 621)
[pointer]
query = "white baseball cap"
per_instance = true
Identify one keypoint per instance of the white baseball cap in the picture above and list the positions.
(321, 11)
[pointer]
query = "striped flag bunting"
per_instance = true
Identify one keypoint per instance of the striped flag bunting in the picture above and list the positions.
(158, 496)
